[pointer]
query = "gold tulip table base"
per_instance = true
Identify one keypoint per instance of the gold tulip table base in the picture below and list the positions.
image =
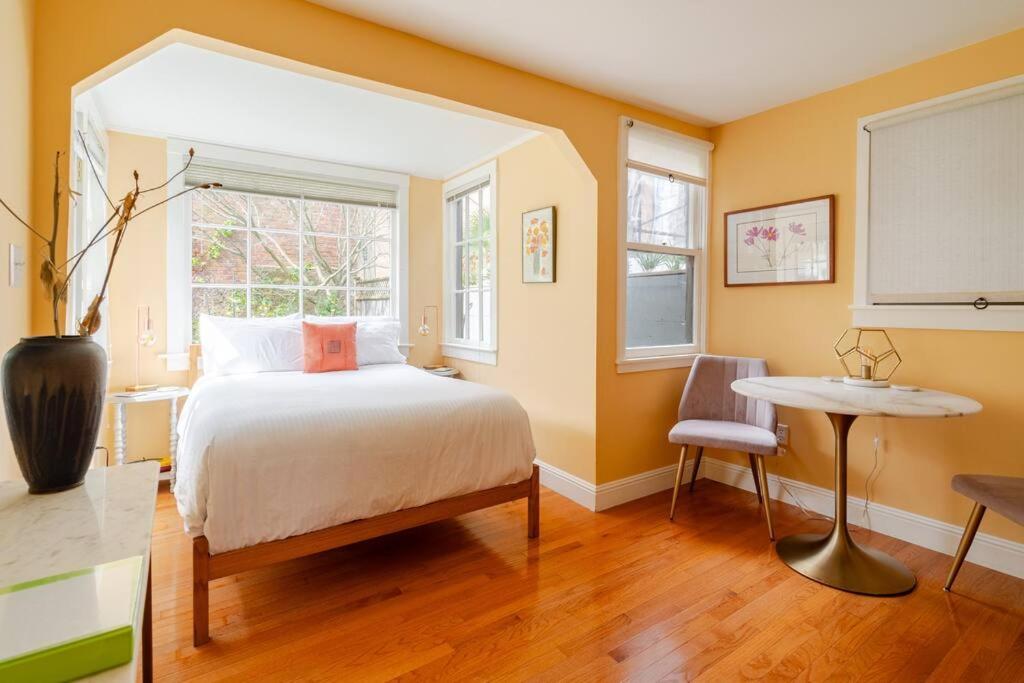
(835, 559)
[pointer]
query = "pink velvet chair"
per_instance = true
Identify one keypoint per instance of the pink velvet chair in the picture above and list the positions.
(712, 415)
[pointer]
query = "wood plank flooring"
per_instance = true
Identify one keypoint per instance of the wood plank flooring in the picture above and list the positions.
(620, 595)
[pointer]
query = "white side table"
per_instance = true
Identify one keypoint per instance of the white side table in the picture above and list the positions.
(120, 402)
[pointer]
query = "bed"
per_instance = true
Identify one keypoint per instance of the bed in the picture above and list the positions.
(277, 465)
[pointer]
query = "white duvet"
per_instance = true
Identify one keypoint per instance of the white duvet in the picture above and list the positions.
(271, 455)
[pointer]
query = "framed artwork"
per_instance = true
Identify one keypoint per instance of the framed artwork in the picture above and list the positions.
(539, 245)
(780, 244)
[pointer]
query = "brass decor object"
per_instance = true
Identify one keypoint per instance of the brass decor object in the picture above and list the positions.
(876, 355)
(834, 558)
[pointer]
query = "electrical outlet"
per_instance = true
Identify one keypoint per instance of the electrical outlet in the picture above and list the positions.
(782, 434)
(16, 270)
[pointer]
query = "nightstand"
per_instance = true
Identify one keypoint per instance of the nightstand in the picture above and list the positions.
(120, 402)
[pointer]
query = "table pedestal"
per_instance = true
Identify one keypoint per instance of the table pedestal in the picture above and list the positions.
(835, 559)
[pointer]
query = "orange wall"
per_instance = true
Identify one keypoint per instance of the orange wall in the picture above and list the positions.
(15, 174)
(808, 148)
(546, 331)
(74, 40)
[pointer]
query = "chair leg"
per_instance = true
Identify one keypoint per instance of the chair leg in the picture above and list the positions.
(766, 500)
(965, 543)
(696, 467)
(679, 478)
(757, 479)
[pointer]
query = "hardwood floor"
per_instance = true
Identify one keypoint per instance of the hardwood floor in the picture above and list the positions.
(623, 594)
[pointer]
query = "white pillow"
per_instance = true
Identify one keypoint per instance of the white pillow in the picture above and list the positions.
(233, 346)
(376, 340)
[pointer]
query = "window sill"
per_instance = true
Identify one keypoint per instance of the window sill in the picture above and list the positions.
(470, 353)
(655, 363)
(992, 319)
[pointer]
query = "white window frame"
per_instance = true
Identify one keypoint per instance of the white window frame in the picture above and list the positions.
(179, 233)
(450, 345)
(640, 359)
(1008, 318)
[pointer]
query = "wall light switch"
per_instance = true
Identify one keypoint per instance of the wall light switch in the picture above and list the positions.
(782, 434)
(16, 269)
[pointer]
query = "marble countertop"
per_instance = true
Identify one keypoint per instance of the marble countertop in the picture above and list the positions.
(815, 393)
(108, 518)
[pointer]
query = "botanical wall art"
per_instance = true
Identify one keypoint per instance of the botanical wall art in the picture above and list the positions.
(539, 245)
(786, 243)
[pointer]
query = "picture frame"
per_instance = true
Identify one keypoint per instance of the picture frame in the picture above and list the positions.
(539, 245)
(781, 244)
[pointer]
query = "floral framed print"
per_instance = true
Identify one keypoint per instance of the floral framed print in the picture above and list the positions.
(781, 244)
(539, 245)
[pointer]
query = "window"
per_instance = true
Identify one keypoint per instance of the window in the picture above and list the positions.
(663, 226)
(282, 240)
(470, 236)
(940, 223)
(256, 255)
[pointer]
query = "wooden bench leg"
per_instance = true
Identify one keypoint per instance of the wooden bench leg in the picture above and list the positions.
(200, 591)
(533, 505)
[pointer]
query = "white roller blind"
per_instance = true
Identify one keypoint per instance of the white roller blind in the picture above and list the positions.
(666, 150)
(946, 203)
(242, 179)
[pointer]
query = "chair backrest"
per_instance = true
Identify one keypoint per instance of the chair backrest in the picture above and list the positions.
(708, 396)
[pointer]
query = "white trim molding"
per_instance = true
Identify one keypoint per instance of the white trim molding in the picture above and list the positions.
(987, 551)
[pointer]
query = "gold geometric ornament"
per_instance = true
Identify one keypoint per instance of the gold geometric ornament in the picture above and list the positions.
(874, 352)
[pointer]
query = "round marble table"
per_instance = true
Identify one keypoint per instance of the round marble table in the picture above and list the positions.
(833, 558)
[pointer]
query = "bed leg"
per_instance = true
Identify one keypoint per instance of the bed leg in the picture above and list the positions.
(200, 591)
(533, 505)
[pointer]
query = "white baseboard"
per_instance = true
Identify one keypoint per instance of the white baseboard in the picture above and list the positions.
(604, 496)
(988, 551)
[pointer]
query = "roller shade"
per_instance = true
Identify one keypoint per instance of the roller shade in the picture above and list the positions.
(241, 179)
(662, 149)
(946, 203)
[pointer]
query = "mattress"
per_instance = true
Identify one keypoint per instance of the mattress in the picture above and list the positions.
(270, 455)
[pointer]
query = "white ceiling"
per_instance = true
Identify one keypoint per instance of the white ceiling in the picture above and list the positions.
(186, 92)
(708, 61)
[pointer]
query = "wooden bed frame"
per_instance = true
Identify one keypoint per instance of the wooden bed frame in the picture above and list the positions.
(207, 567)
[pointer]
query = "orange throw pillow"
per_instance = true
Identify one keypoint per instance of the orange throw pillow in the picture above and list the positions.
(326, 348)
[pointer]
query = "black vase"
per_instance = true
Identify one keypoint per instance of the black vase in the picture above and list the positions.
(54, 390)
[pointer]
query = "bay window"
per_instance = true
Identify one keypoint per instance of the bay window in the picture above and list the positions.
(280, 240)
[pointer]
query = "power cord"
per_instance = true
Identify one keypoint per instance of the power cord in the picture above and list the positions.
(869, 487)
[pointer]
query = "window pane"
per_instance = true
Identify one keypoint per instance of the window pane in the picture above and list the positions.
(369, 221)
(467, 316)
(659, 299)
(273, 303)
(217, 207)
(467, 264)
(659, 210)
(371, 263)
(275, 213)
(320, 216)
(324, 302)
(218, 256)
(485, 303)
(485, 263)
(275, 258)
(325, 262)
(224, 301)
(376, 302)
